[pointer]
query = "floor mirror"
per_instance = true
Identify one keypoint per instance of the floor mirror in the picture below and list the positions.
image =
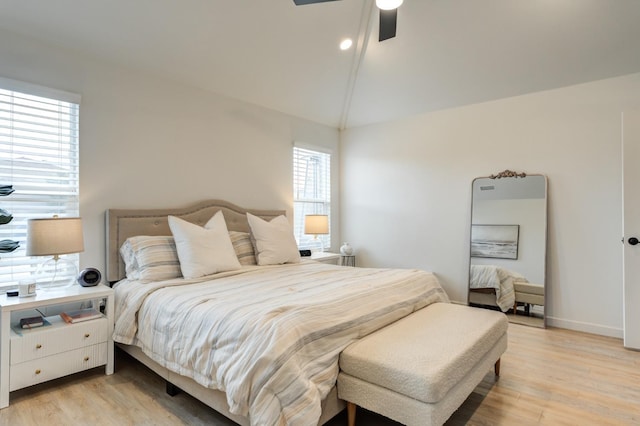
(507, 267)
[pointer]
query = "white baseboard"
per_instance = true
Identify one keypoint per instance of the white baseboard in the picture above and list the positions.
(585, 327)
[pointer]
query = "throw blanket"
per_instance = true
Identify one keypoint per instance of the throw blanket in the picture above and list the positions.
(500, 279)
(269, 337)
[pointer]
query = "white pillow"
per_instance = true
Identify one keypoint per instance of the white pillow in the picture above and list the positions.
(203, 251)
(274, 241)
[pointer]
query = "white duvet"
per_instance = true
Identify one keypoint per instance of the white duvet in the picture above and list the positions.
(268, 336)
(500, 279)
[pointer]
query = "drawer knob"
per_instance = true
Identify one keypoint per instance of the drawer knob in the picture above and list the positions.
(86, 335)
(38, 371)
(86, 358)
(38, 346)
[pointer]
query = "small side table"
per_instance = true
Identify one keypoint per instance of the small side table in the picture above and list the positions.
(348, 260)
(28, 357)
(326, 257)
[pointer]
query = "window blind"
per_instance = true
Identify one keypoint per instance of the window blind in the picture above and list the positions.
(311, 193)
(39, 157)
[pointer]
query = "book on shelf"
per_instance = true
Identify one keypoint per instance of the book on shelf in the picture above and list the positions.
(80, 315)
(20, 327)
(31, 322)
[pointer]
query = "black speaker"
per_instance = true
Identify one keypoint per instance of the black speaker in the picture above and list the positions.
(89, 277)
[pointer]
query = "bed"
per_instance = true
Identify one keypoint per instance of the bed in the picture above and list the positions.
(259, 344)
(492, 285)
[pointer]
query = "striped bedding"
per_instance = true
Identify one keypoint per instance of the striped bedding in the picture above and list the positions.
(500, 279)
(268, 336)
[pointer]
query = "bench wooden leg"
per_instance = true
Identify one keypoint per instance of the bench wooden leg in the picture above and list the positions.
(351, 413)
(496, 367)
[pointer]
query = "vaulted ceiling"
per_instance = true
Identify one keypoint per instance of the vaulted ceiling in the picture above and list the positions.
(447, 53)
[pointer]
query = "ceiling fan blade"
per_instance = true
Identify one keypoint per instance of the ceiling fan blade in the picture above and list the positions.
(388, 20)
(303, 2)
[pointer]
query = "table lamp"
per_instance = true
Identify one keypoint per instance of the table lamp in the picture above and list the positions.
(55, 236)
(316, 224)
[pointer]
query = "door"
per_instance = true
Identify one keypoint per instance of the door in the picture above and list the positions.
(631, 227)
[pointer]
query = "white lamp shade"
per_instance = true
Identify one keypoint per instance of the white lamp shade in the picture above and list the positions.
(54, 236)
(388, 4)
(316, 224)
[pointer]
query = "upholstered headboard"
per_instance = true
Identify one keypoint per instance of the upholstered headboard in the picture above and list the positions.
(125, 223)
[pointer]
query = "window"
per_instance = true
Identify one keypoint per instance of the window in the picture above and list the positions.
(39, 157)
(311, 193)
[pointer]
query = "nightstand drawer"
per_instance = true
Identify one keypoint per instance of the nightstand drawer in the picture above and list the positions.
(57, 338)
(51, 367)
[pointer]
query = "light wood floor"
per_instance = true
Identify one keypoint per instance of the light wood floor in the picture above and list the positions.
(548, 377)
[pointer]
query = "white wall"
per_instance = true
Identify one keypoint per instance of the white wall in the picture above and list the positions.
(406, 190)
(150, 143)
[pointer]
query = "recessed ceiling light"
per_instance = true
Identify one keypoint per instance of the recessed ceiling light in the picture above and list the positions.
(346, 44)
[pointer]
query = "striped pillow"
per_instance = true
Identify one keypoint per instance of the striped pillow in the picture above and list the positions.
(243, 247)
(148, 258)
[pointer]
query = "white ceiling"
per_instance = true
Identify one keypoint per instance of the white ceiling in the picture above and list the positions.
(272, 53)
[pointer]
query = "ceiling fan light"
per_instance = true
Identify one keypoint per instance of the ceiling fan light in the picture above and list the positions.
(388, 4)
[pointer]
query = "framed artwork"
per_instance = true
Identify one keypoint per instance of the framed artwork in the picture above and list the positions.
(496, 241)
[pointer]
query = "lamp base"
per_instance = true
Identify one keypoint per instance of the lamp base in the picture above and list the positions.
(318, 241)
(56, 273)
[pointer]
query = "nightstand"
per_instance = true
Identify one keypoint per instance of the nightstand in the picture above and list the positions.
(28, 357)
(326, 257)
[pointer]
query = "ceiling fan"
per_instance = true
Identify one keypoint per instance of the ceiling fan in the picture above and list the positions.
(388, 15)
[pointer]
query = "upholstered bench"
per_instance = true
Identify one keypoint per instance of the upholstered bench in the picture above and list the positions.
(527, 293)
(420, 369)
